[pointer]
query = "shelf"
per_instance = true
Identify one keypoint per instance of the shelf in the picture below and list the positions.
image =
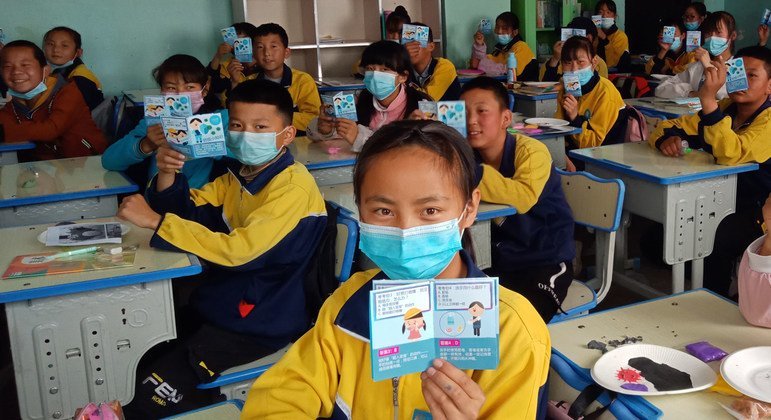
(302, 46)
(346, 44)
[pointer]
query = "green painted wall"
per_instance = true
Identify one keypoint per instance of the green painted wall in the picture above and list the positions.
(124, 40)
(747, 14)
(461, 18)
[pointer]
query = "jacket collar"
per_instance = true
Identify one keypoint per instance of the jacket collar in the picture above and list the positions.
(263, 178)
(612, 30)
(66, 71)
(732, 108)
(354, 315)
(588, 87)
(286, 78)
(54, 84)
(500, 48)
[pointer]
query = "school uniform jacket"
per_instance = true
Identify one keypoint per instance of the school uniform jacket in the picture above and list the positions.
(87, 82)
(527, 66)
(304, 92)
(220, 79)
(258, 237)
(442, 83)
(748, 143)
(672, 63)
(599, 108)
(553, 74)
(541, 233)
(328, 374)
(59, 123)
(614, 49)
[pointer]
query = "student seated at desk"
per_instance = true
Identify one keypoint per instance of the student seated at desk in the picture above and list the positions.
(533, 250)
(45, 109)
(508, 40)
(755, 277)
(218, 67)
(671, 58)
(599, 109)
(735, 130)
(271, 49)
(64, 48)
(613, 44)
(719, 34)
(693, 16)
(387, 97)
(410, 175)
(434, 76)
(551, 71)
(258, 226)
(178, 74)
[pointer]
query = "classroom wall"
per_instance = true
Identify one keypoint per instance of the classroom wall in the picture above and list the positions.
(747, 14)
(461, 18)
(125, 40)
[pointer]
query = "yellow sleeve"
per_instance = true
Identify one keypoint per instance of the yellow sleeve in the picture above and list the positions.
(602, 67)
(731, 148)
(619, 43)
(524, 56)
(649, 66)
(533, 168)
(84, 71)
(687, 123)
(306, 98)
(682, 64)
(444, 75)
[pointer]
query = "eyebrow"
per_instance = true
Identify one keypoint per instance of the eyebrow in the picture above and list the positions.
(379, 199)
(431, 199)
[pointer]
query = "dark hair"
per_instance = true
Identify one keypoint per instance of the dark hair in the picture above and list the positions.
(189, 67)
(433, 136)
(678, 23)
(40, 56)
(477, 303)
(509, 19)
(430, 32)
(245, 28)
(585, 24)
(389, 54)
(573, 45)
(196, 119)
(396, 19)
(760, 53)
(272, 28)
(71, 32)
(610, 4)
(697, 7)
(491, 85)
(257, 91)
(712, 25)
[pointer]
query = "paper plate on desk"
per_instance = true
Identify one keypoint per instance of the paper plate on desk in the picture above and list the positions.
(470, 72)
(539, 84)
(749, 372)
(124, 229)
(547, 122)
(648, 370)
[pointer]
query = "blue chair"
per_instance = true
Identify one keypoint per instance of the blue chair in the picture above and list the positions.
(595, 203)
(235, 382)
(511, 101)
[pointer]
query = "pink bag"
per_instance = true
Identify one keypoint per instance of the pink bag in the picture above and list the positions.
(103, 411)
(755, 286)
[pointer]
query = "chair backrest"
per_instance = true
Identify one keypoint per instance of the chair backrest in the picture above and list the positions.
(595, 202)
(103, 114)
(345, 246)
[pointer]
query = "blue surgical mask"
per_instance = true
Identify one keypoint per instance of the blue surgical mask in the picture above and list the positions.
(61, 66)
(421, 252)
(692, 26)
(503, 39)
(584, 75)
(715, 45)
(608, 23)
(37, 90)
(380, 84)
(252, 148)
(676, 44)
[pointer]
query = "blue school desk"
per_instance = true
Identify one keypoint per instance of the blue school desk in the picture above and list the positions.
(78, 337)
(664, 109)
(672, 321)
(555, 142)
(326, 167)
(53, 191)
(531, 103)
(8, 151)
(341, 196)
(689, 195)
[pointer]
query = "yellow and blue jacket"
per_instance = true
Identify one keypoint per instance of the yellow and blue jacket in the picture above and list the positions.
(599, 108)
(553, 74)
(442, 83)
(259, 237)
(527, 65)
(328, 373)
(541, 233)
(713, 132)
(615, 49)
(220, 79)
(304, 92)
(672, 63)
(85, 80)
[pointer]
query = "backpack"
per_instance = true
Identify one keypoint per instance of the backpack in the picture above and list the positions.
(636, 125)
(320, 280)
(630, 86)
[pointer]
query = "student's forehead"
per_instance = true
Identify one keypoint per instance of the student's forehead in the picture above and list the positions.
(17, 53)
(252, 111)
(752, 63)
(60, 36)
(431, 172)
(267, 38)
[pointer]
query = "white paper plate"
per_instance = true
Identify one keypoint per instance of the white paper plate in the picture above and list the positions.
(660, 76)
(124, 229)
(749, 372)
(540, 84)
(547, 122)
(613, 371)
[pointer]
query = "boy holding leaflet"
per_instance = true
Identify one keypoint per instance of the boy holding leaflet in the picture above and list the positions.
(258, 226)
(434, 76)
(218, 66)
(735, 130)
(412, 176)
(508, 40)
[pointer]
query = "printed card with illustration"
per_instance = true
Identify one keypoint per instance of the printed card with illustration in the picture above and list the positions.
(79, 234)
(242, 49)
(196, 136)
(692, 40)
(572, 84)
(668, 34)
(413, 322)
(177, 106)
(766, 18)
(737, 75)
(597, 20)
(452, 113)
(229, 34)
(49, 263)
(486, 26)
(567, 33)
(155, 109)
(3, 37)
(340, 105)
(415, 33)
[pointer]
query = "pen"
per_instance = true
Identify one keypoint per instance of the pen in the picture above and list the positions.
(80, 251)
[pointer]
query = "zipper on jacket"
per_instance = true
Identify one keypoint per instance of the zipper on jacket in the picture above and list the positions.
(395, 383)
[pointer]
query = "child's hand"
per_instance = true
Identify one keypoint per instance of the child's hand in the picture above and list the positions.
(326, 123)
(413, 48)
(450, 393)
(479, 38)
(153, 140)
(556, 53)
(570, 105)
(601, 33)
(223, 49)
(169, 161)
(347, 129)
(663, 48)
(702, 56)
(569, 165)
(236, 70)
(135, 209)
(714, 79)
(762, 35)
(672, 146)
